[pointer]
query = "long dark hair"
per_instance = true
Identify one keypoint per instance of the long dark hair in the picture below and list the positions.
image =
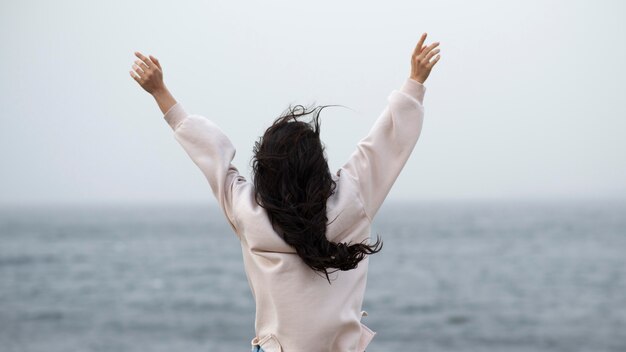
(293, 182)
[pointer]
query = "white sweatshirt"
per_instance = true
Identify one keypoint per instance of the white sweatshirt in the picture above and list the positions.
(297, 310)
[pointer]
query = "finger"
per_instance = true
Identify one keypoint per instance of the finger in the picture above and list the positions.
(139, 74)
(418, 47)
(434, 61)
(143, 58)
(156, 61)
(134, 76)
(142, 65)
(428, 49)
(431, 54)
(138, 70)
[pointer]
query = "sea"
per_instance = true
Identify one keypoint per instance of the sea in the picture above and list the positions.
(484, 276)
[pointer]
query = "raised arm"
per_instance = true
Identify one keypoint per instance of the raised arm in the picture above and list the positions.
(205, 143)
(381, 155)
(212, 151)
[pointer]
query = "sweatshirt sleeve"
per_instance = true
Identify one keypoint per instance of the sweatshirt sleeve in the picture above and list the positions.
(380, 156)
(211, 150)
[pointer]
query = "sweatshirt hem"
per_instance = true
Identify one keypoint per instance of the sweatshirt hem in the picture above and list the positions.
(414, 89)
(175, 115)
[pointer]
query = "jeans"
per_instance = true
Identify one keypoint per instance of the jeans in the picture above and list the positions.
(257, 348)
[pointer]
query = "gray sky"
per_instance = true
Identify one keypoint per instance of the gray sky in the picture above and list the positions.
(527, 100)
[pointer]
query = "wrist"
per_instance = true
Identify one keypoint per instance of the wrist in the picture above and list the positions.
(157, 93)
(417, 79)
(164, 99)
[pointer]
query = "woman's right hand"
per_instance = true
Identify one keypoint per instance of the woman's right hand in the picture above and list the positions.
(422, 60)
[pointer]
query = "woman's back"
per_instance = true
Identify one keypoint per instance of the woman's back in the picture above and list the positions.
(296, 306)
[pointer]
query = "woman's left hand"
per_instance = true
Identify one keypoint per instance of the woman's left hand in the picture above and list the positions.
(148, 73)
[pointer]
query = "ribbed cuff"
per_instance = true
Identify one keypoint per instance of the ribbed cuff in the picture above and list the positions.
(414, 89)
(175, 115)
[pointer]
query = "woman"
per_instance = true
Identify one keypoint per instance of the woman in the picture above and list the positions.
(297, 222)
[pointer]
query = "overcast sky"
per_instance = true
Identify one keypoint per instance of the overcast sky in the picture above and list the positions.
(527, 100)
